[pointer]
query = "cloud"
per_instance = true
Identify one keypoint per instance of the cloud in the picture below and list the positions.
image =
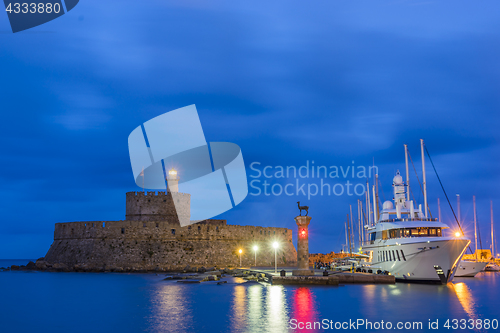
(286, 81)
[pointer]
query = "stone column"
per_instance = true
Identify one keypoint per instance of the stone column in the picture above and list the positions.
(303, 246)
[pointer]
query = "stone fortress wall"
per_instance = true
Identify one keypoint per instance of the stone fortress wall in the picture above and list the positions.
(152, 239)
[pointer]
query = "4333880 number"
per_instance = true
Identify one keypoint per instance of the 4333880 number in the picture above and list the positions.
(40, 8)
(471, 324)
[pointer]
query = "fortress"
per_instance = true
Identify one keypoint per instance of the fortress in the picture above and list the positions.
(152, 239)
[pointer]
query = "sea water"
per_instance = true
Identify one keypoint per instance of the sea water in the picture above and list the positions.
(120, 302)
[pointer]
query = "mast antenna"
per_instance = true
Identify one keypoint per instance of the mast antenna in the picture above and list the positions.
(423, 176)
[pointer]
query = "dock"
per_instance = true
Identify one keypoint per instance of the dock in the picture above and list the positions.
(333, 278)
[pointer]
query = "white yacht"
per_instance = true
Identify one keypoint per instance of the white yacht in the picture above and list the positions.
(470, 268)
(406, 243)
(492, 267)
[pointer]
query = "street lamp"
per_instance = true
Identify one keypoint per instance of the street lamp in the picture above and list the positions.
(240, 251)
(255, 248)
(275, 245)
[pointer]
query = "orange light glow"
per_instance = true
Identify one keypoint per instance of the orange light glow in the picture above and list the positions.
(240, 251)
(457, 234)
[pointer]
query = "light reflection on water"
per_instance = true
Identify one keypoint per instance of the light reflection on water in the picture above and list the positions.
(304, 306)
(169, 306)
(465, 298)
(144, 302)
(277, 313)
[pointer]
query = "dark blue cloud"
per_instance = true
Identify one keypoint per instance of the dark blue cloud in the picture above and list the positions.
(288, 81)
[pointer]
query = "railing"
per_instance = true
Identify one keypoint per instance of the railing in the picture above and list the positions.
(409, 220)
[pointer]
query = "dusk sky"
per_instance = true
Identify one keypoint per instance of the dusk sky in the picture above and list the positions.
(288, 81)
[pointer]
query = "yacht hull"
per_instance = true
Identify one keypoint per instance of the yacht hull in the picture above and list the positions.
(423, 260)
(468, 268)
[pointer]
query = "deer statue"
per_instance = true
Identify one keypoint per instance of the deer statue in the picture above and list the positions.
(301, 208)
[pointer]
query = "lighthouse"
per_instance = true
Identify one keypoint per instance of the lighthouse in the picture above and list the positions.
(173, 181)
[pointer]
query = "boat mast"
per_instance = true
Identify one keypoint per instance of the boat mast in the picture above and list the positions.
(374, 210)
(475, 226)
(352, 228)
(407, 174)
(375, 204)
(359, 225)
(345, 227)
(492, 242)
(439, 211)
(362, 220)
(423, 176)
(349, 233)
(368, 204)
(458, 208)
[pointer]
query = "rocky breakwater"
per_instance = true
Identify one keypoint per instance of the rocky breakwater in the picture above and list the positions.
(187, 273)
(193, 275)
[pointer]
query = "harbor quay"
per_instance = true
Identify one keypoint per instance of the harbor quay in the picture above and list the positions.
(320, 277)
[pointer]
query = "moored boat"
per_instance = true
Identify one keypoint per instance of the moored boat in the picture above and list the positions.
(470, 268)
(492, 267)
(409, 244)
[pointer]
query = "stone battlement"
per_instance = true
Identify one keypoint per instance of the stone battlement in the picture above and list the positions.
(155, 206)
(152, 194)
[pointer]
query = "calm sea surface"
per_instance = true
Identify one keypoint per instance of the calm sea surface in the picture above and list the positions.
(111, 302)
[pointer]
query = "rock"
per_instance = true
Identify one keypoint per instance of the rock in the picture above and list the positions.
(209, 269)
(218, 273)
(14, 268)
(31, 265)
(228, 271)
(59, 266)
(80, 268)
(202, 270)
(210, 278)
(41, 265)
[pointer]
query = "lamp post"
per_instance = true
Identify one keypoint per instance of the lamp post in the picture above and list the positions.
(255, 248)
(240, 251)
(275, 245)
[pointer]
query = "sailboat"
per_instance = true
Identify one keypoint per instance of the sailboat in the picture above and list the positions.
(407, 243)
(470, 267)
(492, 266)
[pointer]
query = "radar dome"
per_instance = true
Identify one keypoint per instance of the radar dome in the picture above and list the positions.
(387, 205)
(398, 180)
